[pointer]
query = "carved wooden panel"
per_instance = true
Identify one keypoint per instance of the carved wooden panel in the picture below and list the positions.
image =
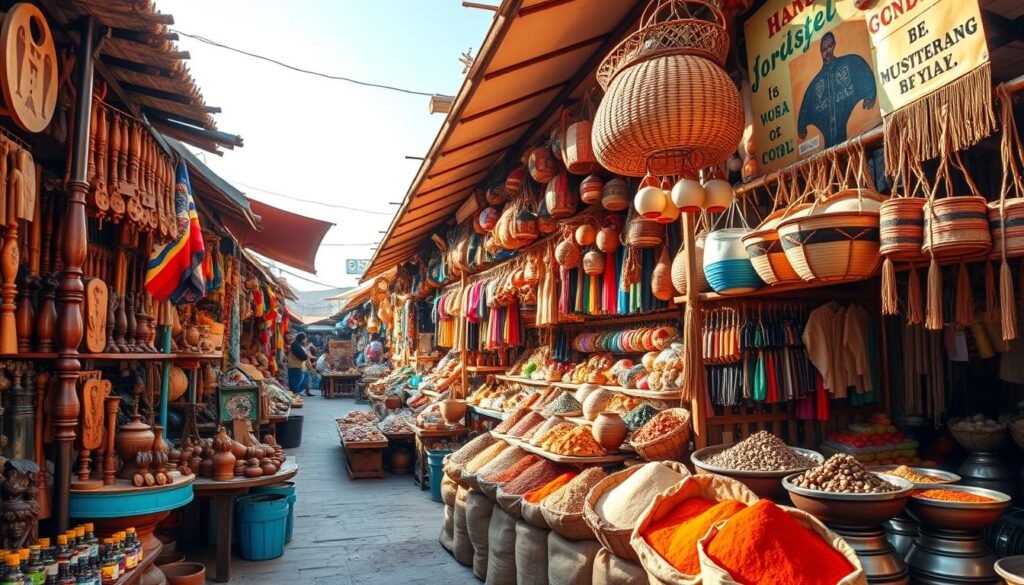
(93, 393)
(28, 69)
(96, 304)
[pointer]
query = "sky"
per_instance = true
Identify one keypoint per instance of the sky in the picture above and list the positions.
(324, 140)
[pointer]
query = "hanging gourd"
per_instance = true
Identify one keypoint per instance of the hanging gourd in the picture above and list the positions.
(661, 278)
(567, 252)
(489, 218)
(719, 195)
(593, 262)
(607, 239)
(586, 234)
(670, 213)
(542, 164)
(590, 189)
(688, 194)
(650, 200)
(669, 105)
(514, 181)
(560, 200)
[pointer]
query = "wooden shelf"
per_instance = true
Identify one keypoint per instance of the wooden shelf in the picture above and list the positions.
(650, 394)
(524, 381)
(487, 412)
(486, 369)
(782, 289)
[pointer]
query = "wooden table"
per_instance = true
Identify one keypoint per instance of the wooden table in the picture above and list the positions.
(224, 493)
(339, 385)
(426, 440)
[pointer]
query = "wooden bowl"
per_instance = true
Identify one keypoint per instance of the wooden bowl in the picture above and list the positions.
(766, 484)
(851, 510)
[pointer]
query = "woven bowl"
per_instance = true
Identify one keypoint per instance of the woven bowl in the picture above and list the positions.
(979, 440)
(669, 447)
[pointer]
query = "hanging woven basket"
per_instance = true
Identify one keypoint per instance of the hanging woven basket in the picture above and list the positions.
(542, 164)
(955, 225)
(642, 233)
(669, 105)
(567, 252)
(514, 181)
(578, 151)
(560, 200)
(590, 189)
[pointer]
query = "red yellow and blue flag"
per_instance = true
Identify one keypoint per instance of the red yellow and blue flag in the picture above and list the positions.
(175, 270)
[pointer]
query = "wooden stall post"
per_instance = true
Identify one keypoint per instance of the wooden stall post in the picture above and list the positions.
(71, 291)
(464, 327)
(695, 368)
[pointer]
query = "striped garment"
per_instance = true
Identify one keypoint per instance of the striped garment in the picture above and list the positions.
(175, 270)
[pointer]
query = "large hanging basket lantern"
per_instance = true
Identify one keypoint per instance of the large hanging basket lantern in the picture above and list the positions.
(669, 105)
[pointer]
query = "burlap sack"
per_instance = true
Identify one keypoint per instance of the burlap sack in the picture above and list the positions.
(571, 526)
(712, 574)
(454, 462)
(448, 529)
(511, 504)
(613, 538)
(478, 524)
(448, 489)
(462, 548)
(709, 487)
(489, 488)
(471, 480)
(501, 550)
(532, 514)
(531, 554)
(570, 562)
(612, 570)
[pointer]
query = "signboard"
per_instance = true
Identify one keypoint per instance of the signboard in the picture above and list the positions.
(812, 78)
(356, 266)
(923, 45)
(28, 68)
(339, 354)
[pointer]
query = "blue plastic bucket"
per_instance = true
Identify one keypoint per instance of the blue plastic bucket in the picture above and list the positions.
(287, 489)
(262, 520)
(436, 461)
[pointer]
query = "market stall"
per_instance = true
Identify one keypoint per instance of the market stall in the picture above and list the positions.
(702, 292)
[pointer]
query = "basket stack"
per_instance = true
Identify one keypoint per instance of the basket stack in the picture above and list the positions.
(766, 254)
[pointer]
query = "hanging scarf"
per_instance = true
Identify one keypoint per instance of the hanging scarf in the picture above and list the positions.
(175, 269)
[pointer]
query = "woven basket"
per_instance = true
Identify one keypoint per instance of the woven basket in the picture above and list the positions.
(956, 227)
(514, 180)
(670, 447)
(590, 189)
(615, 195)
(578, 153)
(616, 540)
(727, 264)
(835, 239)
(560, 201)
(661, 278)
(1014, 220)
(901, 229)
(979, 440)
(766, 253)
(642, 233)
(567, 253)
(542, 164)
(679, 268)
(524, 227)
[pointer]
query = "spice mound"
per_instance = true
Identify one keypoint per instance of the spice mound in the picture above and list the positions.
(909, 474)
(528, 423)
(565, 405)
(622, 505)
(538, 495)
(535, 476)
(579, 442)
(844, 474)
(639, 416)
(570, 499)
(675, 536)
(484, 457)
(763, 545)
(553, 435)
(513, 471)
(662, 424)
(471, 450)
(953, 496)
(761, 451)
(507, 458)
(511, 419)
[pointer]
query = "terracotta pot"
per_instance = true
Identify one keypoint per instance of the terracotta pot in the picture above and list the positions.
(131, 438)
(153, 576)
(185, 573)
(268, 466)
(609, 431)
(159, 445)
(223, 460)
(169, 558)
(238, 449)
(453, 410)
(179, 384)
(252, 468)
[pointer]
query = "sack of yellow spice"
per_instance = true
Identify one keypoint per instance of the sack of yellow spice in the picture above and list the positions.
(662, 531)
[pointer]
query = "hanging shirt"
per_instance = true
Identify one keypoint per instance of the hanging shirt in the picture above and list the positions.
(823, 337)
(855, 349)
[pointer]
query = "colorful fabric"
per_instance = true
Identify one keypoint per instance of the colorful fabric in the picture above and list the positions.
(175, 270)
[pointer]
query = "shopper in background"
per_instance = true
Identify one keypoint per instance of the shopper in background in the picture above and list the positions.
(298, 365)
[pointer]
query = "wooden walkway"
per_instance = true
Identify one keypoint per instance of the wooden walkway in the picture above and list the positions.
(378, 531)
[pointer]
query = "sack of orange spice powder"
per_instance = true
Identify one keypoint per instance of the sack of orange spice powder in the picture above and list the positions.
(657, 526)
(777, 545)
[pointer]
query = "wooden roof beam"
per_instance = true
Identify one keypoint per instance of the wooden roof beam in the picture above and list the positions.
(486, 138)
(171, 97)
(467, 163)
(141, 67)
(509, 104)
(541, 58)
(448, 184)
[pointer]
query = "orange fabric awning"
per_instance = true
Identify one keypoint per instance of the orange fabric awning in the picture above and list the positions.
(286, 237)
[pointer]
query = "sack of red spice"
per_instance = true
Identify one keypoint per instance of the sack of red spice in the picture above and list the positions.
(660, 570)
(768, 544)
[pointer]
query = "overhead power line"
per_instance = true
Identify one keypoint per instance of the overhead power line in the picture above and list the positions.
(294, 198)
(203, 39)
(278, 266)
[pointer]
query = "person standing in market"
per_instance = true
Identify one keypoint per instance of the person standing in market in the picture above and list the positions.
(298, 365)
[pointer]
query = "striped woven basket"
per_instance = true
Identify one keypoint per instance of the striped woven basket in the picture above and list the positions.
(615, 539)
(1013, 220)
(901, 228)
(766, 253)
(835, 239)
(642, 233)
(956, 227)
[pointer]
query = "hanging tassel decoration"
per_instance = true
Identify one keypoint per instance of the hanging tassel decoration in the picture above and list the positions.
(964, 314)
(1008, 309)
(914, 311)
(991, 301)
(631, 269)
(890, 301)
(933, 312)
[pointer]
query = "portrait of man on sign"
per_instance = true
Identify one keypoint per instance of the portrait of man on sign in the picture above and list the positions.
(834, 92)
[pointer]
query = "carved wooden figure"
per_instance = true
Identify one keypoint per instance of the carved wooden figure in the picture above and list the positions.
(97, 303)
(93, 393)
(20, 507)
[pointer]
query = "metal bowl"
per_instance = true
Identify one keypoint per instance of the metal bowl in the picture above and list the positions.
(851, 510)
(1011, 569)
(959, 516)
(766, 484)
(941, 477)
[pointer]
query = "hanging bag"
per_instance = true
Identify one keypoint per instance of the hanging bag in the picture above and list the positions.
(727, 264)
(765, 248)
(578, 152)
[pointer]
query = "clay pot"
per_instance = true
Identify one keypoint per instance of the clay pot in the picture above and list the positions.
(453, 410)
(268, 466)
(132, 438)
(192, 336)
(169, 558)
(223, 459)
(206, 468)
(609, 431)
(179, 384)
(237, 449)
(185, 573)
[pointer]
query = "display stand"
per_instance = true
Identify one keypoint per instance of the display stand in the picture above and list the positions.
(338, 385)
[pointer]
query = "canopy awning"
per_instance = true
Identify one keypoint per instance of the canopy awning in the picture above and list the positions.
(284, 236)
(353, 297)
(524, 72)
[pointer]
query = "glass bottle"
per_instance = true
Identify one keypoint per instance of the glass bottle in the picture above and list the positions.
(72, 551)
(122, 566)
(48, 556)
(130, 561)
(84, 550)
(23, 560)
(35, 571)
(64, 576)
(94, 545)
(135, 543)
(108, 563)
(12, 572)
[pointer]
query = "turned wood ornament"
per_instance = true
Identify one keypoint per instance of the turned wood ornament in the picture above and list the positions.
(97, 303)
(223, 459)
(9, 263)
(92, 395)
(42, 383)
(111, 406)
(24, 315)
(28, 69)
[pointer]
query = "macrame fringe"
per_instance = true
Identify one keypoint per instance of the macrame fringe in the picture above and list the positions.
(968, 104)
(915, 314)
(1008, 312)
(933, 311)
(991, 301)
(964, 314)
(694, 382)
(631, 268)
(890, 300)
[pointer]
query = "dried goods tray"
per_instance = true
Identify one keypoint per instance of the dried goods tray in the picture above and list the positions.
(569, 459)
(650, 394)
(487, 412)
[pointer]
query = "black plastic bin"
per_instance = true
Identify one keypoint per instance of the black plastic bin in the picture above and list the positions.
(289, 434)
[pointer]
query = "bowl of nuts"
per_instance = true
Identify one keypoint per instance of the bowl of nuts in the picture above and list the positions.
(760, 462)
(842, 492)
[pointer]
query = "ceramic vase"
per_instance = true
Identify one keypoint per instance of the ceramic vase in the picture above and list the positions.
(609, 431)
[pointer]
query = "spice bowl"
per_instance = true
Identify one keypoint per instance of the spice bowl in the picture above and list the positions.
(852, 510)
(939, 476)
(766, 484)
(959, 516)
(1011, 569)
